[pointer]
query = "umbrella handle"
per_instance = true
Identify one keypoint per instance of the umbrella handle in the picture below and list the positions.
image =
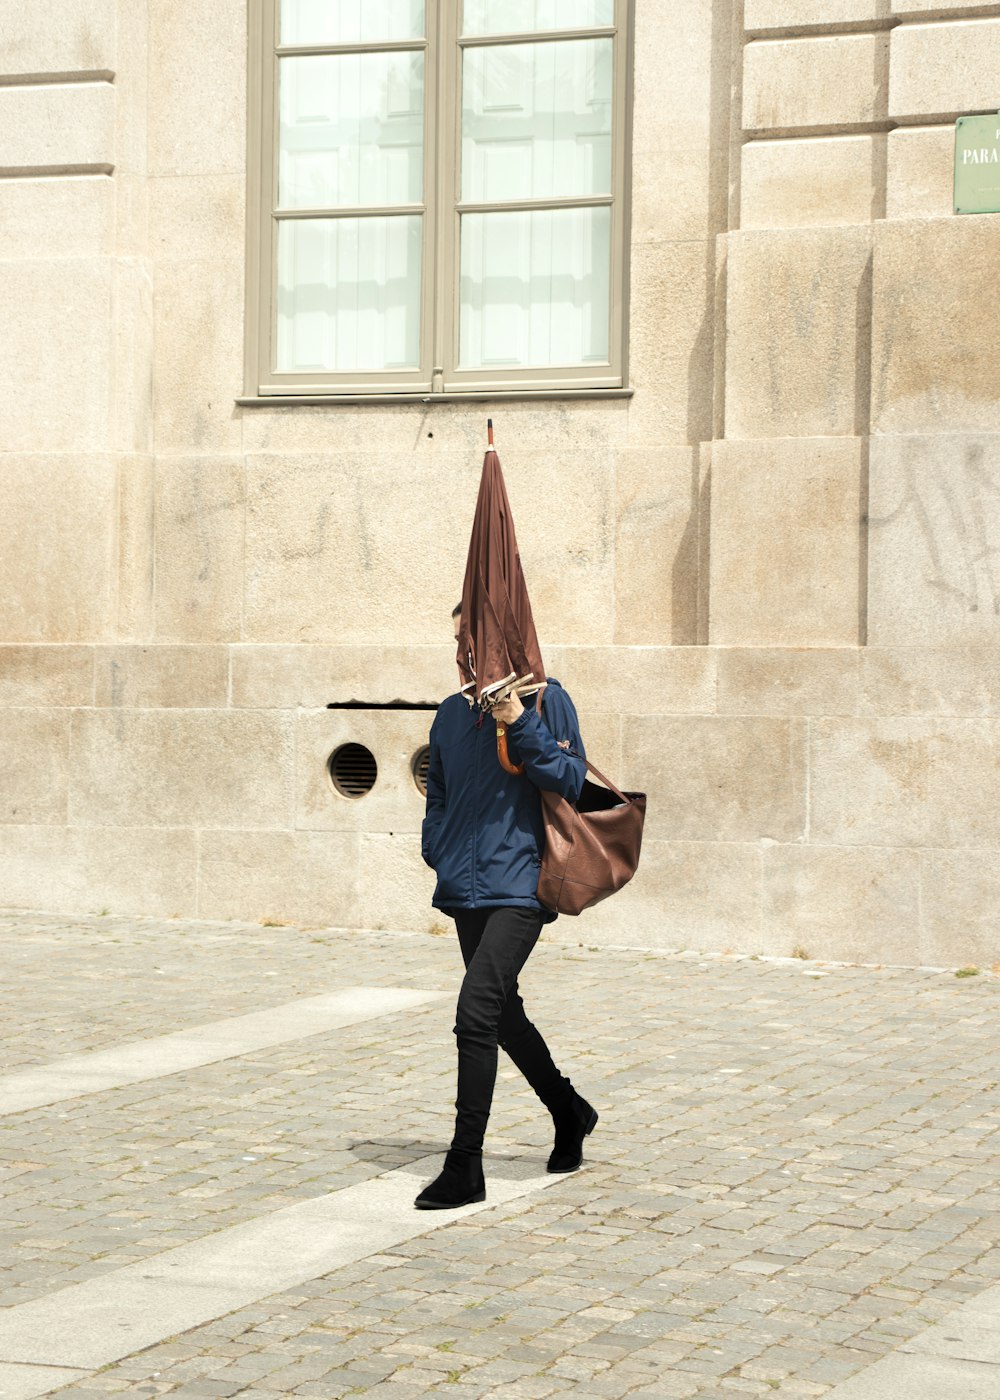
(502, 753)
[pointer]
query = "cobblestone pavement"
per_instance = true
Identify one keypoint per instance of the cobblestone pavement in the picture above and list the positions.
(794, 1171)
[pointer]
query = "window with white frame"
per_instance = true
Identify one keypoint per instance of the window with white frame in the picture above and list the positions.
(437, 196)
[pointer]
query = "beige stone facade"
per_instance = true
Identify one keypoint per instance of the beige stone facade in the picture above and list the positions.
(770, 578)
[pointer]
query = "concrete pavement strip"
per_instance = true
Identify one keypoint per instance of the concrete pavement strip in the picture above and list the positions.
(207, 1044)
(956, 1359)
(90, 1324)
(25, 1382)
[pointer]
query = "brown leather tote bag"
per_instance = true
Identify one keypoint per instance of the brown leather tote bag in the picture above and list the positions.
(592, 847)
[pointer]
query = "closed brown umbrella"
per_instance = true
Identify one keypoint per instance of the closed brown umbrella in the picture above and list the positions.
(498, 648)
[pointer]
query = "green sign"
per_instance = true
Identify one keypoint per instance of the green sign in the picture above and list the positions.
(977, 165)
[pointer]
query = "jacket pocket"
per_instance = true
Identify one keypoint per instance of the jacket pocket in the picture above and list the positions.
(428, 846)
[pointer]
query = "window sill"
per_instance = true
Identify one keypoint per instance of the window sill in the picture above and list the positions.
(463, 396)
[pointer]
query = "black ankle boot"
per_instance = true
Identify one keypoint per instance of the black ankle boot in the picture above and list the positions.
(572, 1126)
(459, 1184)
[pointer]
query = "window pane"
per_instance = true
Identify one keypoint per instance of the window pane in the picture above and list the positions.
(350, 21)
(351, 130)
(349, 294)
(536, 120)
(535, 288)
(523, 16)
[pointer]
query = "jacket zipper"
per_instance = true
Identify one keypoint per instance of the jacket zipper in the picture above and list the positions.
(475, 816)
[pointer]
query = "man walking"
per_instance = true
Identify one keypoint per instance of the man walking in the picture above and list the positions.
(484, 836)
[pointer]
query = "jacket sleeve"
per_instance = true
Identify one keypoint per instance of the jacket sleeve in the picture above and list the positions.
(536, 745)
(434, 811)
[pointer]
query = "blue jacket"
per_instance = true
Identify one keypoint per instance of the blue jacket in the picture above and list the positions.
(483, 832)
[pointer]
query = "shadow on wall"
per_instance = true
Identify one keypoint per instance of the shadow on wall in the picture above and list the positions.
(689, 573)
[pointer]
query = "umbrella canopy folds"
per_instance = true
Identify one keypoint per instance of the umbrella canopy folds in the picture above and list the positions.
(497, 644)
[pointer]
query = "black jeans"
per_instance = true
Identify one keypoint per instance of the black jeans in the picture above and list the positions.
(495, 946)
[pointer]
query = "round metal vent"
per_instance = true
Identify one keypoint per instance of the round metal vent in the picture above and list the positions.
(418, 766)
(353, 770)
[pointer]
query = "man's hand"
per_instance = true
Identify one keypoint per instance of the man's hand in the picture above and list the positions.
(508, 711)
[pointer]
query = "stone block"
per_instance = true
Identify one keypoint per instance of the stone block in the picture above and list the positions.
(292, 877)
(658, 519)
(132, 213)
(198, 355)
(787, 681)
(851, 904)
(199, 548)
(655, 680)
(792, 84)
(161, 677)
(132, 352)
(814, 180)
(55, 354)
(910, 680)
(808, 14)
(934, 538)
(136, 498)
(186, 768)
(326, 562)
(77, 216)
(920, 172)
(671, 353)
(640, 679)
(58, 39)
(34, 748)
(87, 870)
(46, 675)
(601, 731)
(313, 676)
(197, 87)
(287, 677)
(960, 893)
(680, 128)
(932, 372)
(786, 542)
(798, 308)
(904, 8)
(718, 778)
(447, 437)
(719, 289)
(394, 738)
(201, 217)
(944, 70)
(564, 511)
(905, 780)
(57, 126)
(685, 894)
(57, 531)
(132, 121)
(705, 476)
(395, 805)
(395, 886)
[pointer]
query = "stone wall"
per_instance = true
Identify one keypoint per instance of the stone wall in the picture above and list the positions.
(770, 579)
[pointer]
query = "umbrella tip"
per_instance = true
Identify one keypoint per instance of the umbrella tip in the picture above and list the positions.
(489, 430)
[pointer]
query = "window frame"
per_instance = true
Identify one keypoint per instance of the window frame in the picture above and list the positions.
(440, 303)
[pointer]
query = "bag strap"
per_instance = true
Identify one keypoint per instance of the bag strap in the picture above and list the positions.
(596, 771)
(598, 774)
